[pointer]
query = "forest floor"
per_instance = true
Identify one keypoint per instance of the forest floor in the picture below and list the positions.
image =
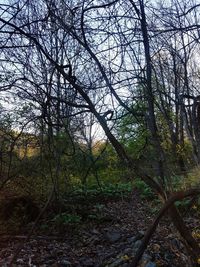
(108, 236)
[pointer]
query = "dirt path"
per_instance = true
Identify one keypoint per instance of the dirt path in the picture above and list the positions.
(108, 240)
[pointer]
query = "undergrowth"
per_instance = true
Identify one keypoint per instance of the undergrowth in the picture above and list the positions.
(107, 191)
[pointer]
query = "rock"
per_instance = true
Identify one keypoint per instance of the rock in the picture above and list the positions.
(168, 256)
(65, 263)
(146, 258)
(87, 262)
(128, 251)
(150, 264)
(116, 263)
(132, 239)
(137, 244)
(50, 262)
(113, 237)
(136, 237)
(20, 261)
(95, 232)
(177, 244)
(141, 234)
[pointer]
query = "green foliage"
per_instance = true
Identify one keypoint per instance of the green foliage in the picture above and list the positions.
(133, 134)
(185, 181)
(189, 205)
(44, 226)
(99, 207)
(183, 204)
(192, 178)
(65, 218)
(93, 217)
(119, 189)
(144, 189)
(108, 190)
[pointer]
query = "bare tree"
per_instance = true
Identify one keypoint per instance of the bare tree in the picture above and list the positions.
(83, 48)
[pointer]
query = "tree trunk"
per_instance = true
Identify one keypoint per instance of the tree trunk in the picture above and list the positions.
(191, 244)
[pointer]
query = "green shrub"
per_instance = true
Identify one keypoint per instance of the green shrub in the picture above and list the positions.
(65, 218)
(144, 189)
(107, 190)
(183, 204)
